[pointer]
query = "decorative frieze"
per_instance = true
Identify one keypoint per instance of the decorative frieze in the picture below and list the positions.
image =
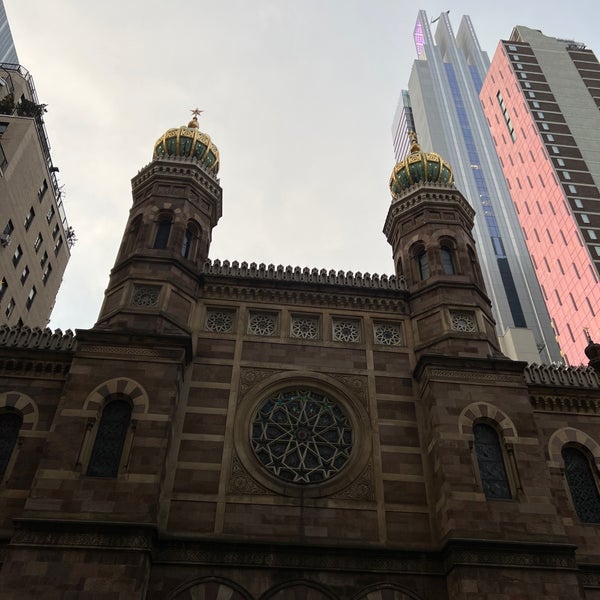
(585, 377)
(36, 338)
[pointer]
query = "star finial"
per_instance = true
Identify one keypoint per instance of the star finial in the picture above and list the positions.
(196, 112)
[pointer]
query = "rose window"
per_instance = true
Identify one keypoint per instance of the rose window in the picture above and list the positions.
(388, 334)
(301, 436)
(219, 320)
(305, 327)
(262, 324)
(346, 331)
(145, 295)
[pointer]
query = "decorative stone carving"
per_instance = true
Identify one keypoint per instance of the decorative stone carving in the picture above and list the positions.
(250, 377)
(219, 320)
(262, 324)
(463, 321)
(240, 481)
(346, 330)
(389, 334)
(585, 377)
(145, 295)
(43, 339)
(363, 489)
(304, 327)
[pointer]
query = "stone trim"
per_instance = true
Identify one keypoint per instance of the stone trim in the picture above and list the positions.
(570, 404)
(569, 434)
(485, 410)
(36, 338)
(304, 275)
(585, 377)
(25, 406)
(121, 385)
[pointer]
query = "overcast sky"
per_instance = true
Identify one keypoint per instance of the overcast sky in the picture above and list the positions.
(299, 98)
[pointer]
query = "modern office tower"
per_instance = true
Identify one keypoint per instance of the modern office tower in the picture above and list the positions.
(8, 52)
(443, 101)
(541, 98)
(35, 238)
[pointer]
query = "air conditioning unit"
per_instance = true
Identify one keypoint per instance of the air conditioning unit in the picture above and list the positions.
(4, 239)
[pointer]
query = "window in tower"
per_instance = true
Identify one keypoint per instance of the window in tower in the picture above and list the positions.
(584, 218)
(545, 126)
(512, 48)
(540, 115)
(549, 137)
(592, 234)
(24, 274)
(523, 75)
(560, 162)
(566, 175)
(555, 150)
(112, 431)
(423, 262)
(190, 239)
(534, 104)
(447, 256)
(29, 218)
(163, 231)
(490, 460)
(10, 424)
(46, 273)
(38, 242)
(30, 297)
(17, 255)
(10, 307)
(572, 189)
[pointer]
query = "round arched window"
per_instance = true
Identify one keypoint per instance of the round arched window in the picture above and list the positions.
(301, 436)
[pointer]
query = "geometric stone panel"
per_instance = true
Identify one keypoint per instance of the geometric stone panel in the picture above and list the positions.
(463, 321)
(389, 334)
(346, 330)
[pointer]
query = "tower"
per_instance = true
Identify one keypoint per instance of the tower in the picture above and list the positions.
(176, 204)
(444, 105)
(541, 99)
(429, 226)
(8, 52)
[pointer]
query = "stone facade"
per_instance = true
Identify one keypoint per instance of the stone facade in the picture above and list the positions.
(291, 434)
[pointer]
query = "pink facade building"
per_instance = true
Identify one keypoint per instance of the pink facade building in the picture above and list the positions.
(541, 98)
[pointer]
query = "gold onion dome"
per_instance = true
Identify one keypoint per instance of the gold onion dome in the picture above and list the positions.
(188, 142)
(419, 167)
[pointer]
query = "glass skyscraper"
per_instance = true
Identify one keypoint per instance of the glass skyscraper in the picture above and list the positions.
(442, 105)
(8, 53)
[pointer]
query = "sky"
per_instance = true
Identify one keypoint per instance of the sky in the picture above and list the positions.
(299, 98)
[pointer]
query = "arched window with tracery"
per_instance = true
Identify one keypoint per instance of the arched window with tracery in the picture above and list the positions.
(110, 439)
(490, 461)
(163, 230)
(581, 479)
(10, 424)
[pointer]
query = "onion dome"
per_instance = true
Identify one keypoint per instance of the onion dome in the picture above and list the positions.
(419, 167)
(188, 142)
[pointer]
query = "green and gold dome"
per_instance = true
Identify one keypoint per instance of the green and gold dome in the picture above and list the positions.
(419, 167)
(188, 142)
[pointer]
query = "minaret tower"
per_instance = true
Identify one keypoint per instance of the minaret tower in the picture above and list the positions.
(429, 225)
(177, 200)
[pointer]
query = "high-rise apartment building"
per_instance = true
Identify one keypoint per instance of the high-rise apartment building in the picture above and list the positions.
(442, 105)
(35, 238)
(8, 52)
(542, 99)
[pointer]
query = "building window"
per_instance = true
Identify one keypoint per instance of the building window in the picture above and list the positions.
(584, 218)
(555, 150)
(38, 242)
(43, 189)
(463, 321)
(346, 330)
(10, 424)
(50, 213)
(566, 175)
(560, 162)
(301, 436)
(10, 307)
(534, 104)
(46, 274)
(110, 439)
(24, 274)
(3, 127)
(304, 327)
(219, 321)
(189, 239)
(581, 479)
(58, 245)
(423, 264)
(592, 234)
(490, 460)
(55, 231)
(30, 297)
(389, 334)
(17, 255)
(43, 260)
(262, 324)
(545, 126)
(447, 257)
(29, 218)
(3, 287)
(162, 233)
(549, 137)
(572, 189)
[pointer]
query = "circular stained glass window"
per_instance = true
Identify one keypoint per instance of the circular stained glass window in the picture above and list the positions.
(301, 436)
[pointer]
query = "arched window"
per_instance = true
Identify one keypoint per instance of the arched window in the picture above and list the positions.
(492, 470)
(10, 424)
(110, 439)
(423, 263)
(132, 234)
(447, 256)
(162, 232)
(582, 484)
